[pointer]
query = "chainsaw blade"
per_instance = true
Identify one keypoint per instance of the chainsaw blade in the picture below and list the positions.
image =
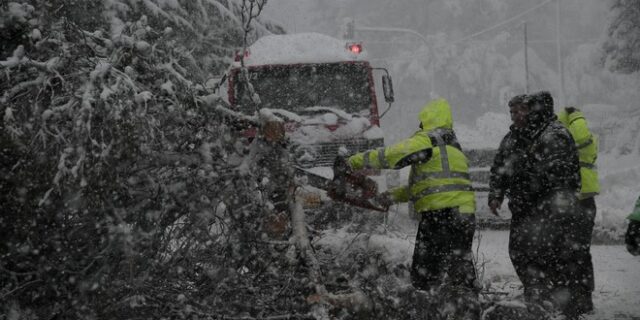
(351, 188)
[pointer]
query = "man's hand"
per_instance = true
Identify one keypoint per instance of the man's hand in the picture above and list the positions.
(340, 167)
(494, 205)
(632, 238)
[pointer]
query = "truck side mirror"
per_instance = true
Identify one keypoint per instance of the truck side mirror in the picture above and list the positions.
(387, 88)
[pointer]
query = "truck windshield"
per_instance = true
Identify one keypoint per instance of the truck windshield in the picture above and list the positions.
(342, 85)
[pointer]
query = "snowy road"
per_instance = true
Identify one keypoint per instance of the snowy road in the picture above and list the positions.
(617, 275)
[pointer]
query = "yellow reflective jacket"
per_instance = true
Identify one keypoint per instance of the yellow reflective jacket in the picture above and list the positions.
(439, 175)
(587, 144)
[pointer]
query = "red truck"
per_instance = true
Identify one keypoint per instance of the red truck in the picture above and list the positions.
(324, 88)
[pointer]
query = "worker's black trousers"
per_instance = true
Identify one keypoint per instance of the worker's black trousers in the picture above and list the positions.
(581, 280)
(532, 257)
(442, 254)
(554, 257)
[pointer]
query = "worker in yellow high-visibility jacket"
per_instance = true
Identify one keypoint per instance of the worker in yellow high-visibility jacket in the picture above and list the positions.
(587, 145)
(441, 193)
(632, 236)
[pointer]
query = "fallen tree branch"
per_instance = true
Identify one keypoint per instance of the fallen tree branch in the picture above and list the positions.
(19, 288)
(168, 159)
(21, 86)
(280, 317)
(50, 65)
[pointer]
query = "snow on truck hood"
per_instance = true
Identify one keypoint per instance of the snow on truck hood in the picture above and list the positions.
(312, 131)
(299, 48)
(325, 124)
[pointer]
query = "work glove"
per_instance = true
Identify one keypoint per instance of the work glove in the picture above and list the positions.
(632, 238)
(340, 167)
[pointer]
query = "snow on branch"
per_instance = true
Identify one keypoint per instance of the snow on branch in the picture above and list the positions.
(169, 66)
(214, 101)
(155, 9)
(9, 94)
(225, 11)
(20, 59)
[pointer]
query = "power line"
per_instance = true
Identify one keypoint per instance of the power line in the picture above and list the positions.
(505, 42)
(466, 38)
(516, 17)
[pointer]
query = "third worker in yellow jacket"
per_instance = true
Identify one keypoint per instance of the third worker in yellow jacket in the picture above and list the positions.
(587, 145)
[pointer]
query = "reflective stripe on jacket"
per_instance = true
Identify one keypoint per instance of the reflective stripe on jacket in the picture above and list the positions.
(587, 144)
(439, 175)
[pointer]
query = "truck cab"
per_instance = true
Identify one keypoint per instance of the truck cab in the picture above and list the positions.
(324, 89)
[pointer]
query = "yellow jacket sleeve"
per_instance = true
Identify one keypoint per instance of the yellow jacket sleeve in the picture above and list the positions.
(412, 150)
(400, 194)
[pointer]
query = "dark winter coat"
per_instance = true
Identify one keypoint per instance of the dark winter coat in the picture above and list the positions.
(507, 178)
(537, 168)
(551, 163)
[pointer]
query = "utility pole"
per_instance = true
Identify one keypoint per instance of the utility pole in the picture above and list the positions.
(562, 99)
(349, 29)
(526, 61)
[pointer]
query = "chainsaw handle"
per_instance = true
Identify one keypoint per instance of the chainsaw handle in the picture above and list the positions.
(341, 168)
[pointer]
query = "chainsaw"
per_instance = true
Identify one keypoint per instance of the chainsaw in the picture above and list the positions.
(349, 187)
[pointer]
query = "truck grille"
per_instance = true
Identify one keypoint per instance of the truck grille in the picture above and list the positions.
(324, 154)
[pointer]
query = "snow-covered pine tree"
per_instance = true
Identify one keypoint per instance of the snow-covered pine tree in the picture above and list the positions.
(124, 192)
(622, 47)
(621, 54)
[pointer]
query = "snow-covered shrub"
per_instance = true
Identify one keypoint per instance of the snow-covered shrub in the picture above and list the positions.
(125, 193)
(120, 192)
(621, 45)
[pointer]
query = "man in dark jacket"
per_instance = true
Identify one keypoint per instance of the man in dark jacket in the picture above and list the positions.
(538, 169)
(554, 170)
(508, 180)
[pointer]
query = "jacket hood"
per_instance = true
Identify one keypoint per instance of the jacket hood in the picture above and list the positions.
(568, 115)
(436, 114)
(540, 110)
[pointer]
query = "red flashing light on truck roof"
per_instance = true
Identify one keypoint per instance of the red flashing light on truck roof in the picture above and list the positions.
(354, 47)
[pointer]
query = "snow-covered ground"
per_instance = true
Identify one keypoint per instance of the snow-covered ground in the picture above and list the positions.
(619, 177)
(617, 273)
